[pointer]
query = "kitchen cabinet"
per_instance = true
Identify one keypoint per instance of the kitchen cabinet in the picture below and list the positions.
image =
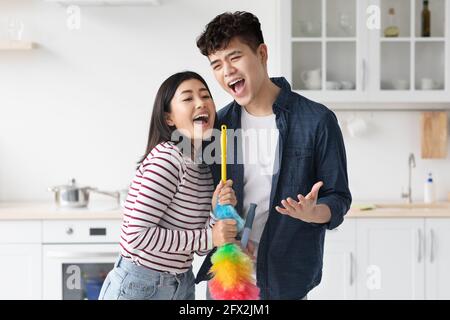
(20, 260)
(437, 260)
(338, 273)
(20, 271)
(391, 259)
(386, 258)
(336, 51)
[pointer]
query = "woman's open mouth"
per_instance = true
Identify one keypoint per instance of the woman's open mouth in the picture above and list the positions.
(201, 120)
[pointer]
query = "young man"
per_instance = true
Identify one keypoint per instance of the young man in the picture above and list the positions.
(306, 190)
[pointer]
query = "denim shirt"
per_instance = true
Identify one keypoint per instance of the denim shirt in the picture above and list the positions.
(310, 149)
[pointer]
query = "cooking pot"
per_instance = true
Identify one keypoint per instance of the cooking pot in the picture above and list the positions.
(74, 196)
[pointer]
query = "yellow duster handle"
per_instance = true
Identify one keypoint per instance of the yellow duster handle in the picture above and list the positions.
(223, 147)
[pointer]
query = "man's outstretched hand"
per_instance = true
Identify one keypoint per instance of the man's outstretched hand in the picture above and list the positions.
(306, 208)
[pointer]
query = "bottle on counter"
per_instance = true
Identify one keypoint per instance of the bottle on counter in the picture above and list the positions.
(429, 190)
(426, 18)
(392, 29)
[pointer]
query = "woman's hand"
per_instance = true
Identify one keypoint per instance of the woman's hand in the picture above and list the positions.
(224, 193)
(224, 231)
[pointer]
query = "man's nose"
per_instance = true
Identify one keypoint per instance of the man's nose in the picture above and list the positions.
(229, 69)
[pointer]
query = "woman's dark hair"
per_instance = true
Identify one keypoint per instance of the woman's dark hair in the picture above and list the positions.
(159, 130)
(219, 32)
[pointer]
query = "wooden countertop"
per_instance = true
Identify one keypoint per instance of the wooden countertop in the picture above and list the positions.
(49, 211)
(396, 210)
(108, 210)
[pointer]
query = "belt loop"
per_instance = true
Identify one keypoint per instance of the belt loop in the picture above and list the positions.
(178, 286)
(118, 261)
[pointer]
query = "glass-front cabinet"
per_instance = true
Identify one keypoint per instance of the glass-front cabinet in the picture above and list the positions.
(367, 50)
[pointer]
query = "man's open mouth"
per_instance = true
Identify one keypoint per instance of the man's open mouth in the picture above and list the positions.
(237, 85)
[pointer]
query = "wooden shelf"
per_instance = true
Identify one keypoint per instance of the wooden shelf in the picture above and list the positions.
(16, 45)
(108, 2)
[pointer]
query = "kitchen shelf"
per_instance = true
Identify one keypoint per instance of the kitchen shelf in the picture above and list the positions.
(431, 39)
(16, 45)
(395, 39)
(108, 2)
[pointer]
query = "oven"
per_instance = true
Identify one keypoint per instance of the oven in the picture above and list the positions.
(77, 256)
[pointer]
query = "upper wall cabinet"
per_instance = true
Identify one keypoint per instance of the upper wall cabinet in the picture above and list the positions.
(366, 50)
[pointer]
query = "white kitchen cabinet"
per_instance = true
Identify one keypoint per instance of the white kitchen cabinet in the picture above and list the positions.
(20, 271)
(437, 259)
(338, 272)
(20, 260)
(390, 258)
(336, 51)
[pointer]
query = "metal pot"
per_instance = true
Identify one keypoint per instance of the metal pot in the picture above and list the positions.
(73, 196)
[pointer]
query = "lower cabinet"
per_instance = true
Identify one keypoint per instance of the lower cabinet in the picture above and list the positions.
(437, 266)
(21, 271)
(390, 258)
(20, 260)
(339, 265)
(387, 258)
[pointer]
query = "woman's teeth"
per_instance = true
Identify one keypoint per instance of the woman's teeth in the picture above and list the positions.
(202, 118)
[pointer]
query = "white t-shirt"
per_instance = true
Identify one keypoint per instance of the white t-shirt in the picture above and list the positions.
(259, 146)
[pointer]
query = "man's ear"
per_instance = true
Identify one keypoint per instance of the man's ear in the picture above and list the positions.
(262, 50)
(169, 120)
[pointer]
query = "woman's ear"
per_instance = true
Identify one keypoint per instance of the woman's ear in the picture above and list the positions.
(169, 120)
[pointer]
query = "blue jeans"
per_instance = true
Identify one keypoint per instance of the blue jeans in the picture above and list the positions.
(128, 281)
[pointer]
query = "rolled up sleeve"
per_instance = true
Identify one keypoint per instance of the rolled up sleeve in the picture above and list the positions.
(331, 168)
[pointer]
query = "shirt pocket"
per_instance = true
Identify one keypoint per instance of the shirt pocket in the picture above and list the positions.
(297, 165)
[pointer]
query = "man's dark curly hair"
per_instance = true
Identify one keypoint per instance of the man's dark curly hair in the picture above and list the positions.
(219, 32)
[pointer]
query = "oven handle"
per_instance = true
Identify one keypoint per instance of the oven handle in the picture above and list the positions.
(59, 254)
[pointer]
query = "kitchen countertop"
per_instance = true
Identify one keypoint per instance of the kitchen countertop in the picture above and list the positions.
(49, 211)
(436, 210)
(108, 210)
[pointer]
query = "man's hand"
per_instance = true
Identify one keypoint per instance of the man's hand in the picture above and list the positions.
(250, 250)
(306, 209)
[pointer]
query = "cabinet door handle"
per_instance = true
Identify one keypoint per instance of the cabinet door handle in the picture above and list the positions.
(364, 71)
(432, 246)
(352, 273)
(419, 255)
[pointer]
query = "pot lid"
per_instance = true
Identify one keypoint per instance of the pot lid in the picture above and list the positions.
(71, 186)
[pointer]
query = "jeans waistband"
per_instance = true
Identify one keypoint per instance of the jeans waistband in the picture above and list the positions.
(164, 277)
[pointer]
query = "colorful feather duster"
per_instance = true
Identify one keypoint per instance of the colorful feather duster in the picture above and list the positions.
(232, 269)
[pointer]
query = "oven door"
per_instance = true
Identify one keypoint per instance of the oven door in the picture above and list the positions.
(76, 271)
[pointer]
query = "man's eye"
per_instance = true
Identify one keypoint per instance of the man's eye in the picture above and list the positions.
(216, 67)
(235, 58)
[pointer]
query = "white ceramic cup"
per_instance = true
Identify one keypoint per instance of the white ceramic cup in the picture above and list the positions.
(427, 84)
(400, 84)
(347, 85)
(356, 126)
(333, 85)
(312, 79)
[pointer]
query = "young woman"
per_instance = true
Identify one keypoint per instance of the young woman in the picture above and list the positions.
(167, 217)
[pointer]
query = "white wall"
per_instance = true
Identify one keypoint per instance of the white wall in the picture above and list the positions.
(79, 106)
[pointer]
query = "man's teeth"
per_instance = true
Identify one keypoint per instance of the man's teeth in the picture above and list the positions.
(232, 83)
